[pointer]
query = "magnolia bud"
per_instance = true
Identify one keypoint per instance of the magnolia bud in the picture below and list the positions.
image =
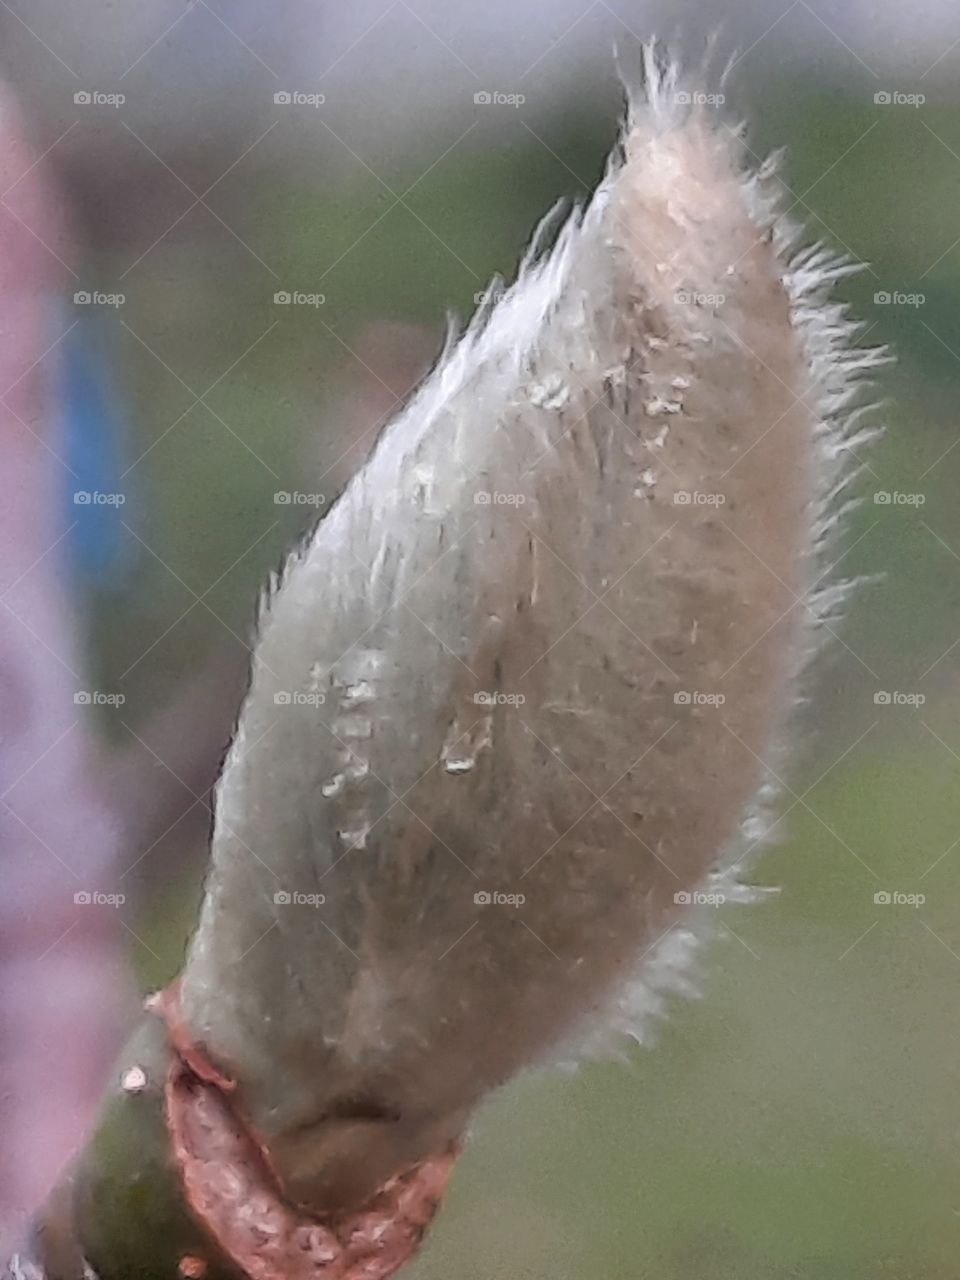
(512, 699)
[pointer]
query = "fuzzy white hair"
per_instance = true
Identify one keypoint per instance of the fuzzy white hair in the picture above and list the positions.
(846, 423)
(540, 649)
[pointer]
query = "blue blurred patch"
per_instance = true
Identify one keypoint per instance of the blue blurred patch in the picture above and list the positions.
(94, 436)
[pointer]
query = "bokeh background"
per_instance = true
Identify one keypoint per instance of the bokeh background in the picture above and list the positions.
(802, 1119)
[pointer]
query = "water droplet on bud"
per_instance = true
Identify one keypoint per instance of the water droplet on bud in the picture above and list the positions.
(552, 393)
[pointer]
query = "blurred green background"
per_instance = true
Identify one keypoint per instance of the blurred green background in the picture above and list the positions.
(802, 1119)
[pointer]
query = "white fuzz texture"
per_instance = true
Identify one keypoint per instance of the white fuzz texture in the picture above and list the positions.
(513, 698)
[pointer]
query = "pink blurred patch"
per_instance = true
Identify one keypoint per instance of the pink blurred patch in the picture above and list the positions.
(60, 964)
